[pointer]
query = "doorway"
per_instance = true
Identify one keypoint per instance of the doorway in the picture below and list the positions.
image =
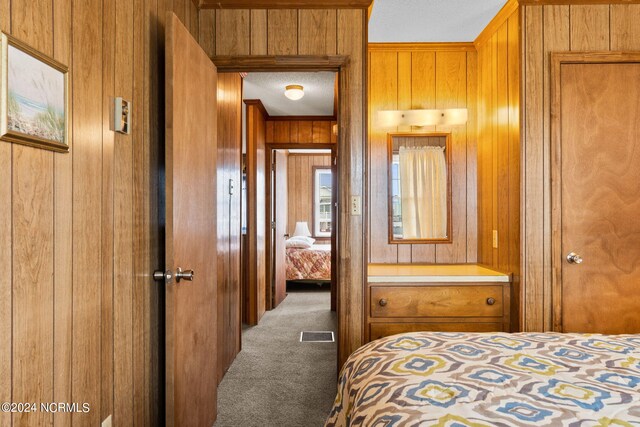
(290, 157)
(282, 133)
(301, 203)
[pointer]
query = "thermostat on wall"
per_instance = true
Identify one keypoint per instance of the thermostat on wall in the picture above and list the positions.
(122, 116)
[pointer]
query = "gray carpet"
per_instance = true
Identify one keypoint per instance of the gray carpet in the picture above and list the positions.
(277, 381)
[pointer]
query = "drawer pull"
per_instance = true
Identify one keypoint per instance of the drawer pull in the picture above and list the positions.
(382, 302)
(491, 301)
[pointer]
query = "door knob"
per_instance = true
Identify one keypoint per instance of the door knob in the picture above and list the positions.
(382, 302)
(187, 275)
(574, 258)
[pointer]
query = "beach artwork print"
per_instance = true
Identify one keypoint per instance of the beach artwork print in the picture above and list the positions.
(35, 99)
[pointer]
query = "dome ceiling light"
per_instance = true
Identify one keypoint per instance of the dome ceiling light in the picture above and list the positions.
(294, 92)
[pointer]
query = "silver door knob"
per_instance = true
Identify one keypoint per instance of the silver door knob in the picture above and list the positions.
(574, 258)
(162, 276)
(187, 275)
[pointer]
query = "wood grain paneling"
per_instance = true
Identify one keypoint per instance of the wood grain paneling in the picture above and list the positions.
(232, 32)
(282, 32)
(79, 291)
(207, 34)
(228, 213)
(317, 34)
(283, 131)
(300, 185)
(6, 244)
(33, 243)
(545, 29)
(123, 218)
(256, 190)
(352, 171)
(624, 30)
(499, 149)
(107, 246)
(258, 32)
(414, 77)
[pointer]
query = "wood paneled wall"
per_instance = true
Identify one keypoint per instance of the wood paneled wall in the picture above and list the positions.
(228, 217)
(301, 131)
(545, 29)
(316, 32)
(80, 316)
(300, 185)
(424, 76)
(499, 147)
(256, 278)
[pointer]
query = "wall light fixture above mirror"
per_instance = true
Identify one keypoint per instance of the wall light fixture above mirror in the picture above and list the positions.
(419, 187)
(421, 118)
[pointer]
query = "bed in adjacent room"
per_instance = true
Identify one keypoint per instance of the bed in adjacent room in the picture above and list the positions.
(491, 379)
(309, 263)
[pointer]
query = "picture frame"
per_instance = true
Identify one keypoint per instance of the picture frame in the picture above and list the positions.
(34, 97)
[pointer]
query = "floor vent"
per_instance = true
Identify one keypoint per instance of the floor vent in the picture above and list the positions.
(316, 336)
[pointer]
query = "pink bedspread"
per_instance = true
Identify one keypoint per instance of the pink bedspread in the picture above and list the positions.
(309, 264)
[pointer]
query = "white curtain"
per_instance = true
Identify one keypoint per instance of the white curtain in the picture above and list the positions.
(423, 183)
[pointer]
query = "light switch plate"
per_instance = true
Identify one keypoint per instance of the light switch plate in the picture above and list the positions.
(495, 239)
(106, 422)
(122, 116)
(356, 205)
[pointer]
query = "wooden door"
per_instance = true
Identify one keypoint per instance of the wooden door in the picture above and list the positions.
(191, 318)
(596, 190)
(334, 230)
(280, 214)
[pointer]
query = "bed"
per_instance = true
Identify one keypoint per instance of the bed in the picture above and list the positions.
(313, 263)
(491, 379)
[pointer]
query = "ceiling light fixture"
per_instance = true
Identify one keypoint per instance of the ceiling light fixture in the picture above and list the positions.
(294, 92)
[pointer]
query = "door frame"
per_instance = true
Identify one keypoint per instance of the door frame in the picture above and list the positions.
(557, 258)
(352, 292)
(269, 147)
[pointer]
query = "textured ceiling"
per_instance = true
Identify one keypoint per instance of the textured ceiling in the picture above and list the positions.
(269, 88)
(430, 20)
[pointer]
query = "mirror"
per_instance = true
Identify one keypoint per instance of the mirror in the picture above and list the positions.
(419, 187)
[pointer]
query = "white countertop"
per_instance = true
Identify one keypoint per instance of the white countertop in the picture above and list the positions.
(412, 273)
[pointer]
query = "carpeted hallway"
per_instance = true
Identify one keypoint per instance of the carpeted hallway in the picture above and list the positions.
(277, 381)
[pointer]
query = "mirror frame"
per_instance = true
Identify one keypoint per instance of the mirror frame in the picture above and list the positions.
(390, 136)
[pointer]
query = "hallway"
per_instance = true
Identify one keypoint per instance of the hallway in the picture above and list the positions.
(277, 381)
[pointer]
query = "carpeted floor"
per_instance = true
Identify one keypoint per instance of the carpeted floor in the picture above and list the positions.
(277, 381)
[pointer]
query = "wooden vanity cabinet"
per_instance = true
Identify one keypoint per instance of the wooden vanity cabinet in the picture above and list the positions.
(394, 308)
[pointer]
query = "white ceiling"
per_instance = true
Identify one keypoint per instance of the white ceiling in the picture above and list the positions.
(269, 88)
(430, 20)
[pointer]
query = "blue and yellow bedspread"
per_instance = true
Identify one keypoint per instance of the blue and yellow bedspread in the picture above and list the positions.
(498, 379)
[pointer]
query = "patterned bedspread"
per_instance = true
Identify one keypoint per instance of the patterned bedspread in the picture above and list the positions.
(309, 264)
(456, 379)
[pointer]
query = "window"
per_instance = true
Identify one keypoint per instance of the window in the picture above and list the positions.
(396, 197)
(322, 201)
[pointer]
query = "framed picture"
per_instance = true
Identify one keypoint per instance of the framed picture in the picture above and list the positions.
(34, 97)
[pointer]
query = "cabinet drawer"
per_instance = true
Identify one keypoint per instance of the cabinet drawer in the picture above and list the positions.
(436, 301)
(379, 330)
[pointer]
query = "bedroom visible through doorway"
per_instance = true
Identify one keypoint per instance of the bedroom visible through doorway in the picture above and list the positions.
(289, 234)
(301, 207)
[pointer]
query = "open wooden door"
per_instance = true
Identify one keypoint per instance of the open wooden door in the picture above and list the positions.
(191, 362)
(334, 230)
(279, 218)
